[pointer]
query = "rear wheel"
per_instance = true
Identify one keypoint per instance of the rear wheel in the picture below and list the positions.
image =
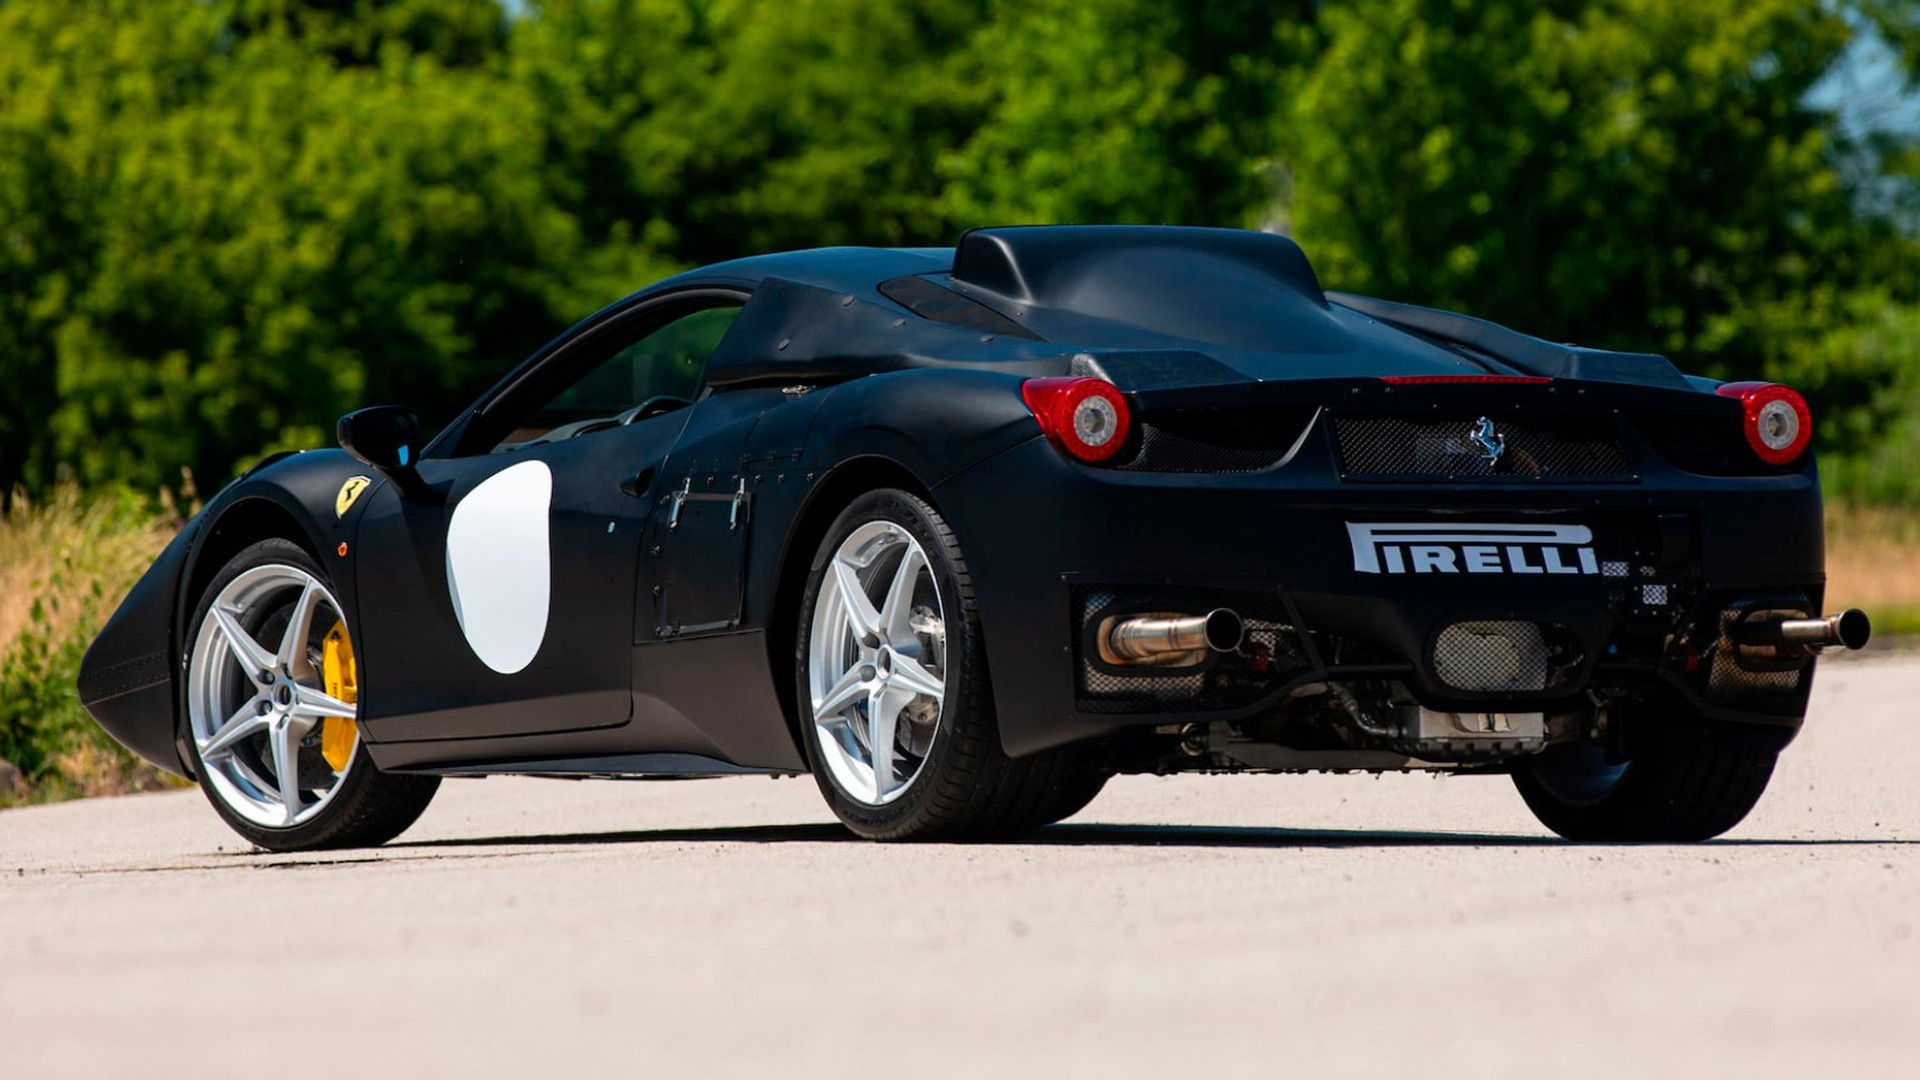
(1074, 790)
(896, 710)
(272, 689)
(1678, 786)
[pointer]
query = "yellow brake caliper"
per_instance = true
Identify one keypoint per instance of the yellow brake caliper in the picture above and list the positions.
(342, 679)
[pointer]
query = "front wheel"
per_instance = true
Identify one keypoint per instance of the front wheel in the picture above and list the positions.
(896, 710)
(1679, 785)
(271, 696)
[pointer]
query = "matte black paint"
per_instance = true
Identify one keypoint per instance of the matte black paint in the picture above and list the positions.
(664, 644)
(419, 679)
(615, 766)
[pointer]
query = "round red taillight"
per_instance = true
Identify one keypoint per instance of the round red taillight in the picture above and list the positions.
(1776, 419)
(1086, 417)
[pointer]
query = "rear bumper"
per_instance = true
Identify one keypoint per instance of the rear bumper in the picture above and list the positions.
(1051, 544)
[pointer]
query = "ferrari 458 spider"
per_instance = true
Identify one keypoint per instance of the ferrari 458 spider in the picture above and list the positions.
(964, 532)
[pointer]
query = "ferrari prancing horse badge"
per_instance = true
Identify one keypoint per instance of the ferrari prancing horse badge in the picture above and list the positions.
(349, 492)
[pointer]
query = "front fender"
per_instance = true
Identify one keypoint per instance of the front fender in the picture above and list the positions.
(129, 679)
(292, 497)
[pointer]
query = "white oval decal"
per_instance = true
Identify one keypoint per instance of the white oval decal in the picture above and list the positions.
(499, 568)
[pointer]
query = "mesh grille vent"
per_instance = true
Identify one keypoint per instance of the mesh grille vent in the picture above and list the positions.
(1565, 447)
(1504, 656)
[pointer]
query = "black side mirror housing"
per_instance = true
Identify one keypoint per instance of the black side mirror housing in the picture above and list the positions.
(387, 437)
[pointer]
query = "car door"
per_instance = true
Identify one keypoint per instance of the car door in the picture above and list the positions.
(504, 602)
(698, 550)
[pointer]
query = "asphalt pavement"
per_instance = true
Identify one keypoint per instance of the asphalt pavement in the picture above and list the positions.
(1313, 925)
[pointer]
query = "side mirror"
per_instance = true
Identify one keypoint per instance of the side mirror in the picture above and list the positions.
(386, 437)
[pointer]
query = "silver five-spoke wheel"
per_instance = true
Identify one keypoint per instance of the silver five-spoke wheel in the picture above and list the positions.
(897, 714)
(275, 745)
(876, 670)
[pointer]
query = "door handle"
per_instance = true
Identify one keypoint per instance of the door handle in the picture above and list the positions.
(639, 483)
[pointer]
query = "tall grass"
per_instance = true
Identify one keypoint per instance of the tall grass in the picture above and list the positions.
(65, 562)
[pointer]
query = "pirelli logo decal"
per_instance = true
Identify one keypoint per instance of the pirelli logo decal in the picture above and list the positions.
(1459, 548)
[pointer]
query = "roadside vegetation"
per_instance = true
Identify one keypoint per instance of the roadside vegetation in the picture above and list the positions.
(225, 222)
(1873, 562)
(65, 561)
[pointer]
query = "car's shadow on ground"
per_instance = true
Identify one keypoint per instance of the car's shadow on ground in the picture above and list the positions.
(1096, 835)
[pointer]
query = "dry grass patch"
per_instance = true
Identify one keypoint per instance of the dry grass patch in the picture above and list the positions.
(1873, 562)
(65, 562)
(72, 542)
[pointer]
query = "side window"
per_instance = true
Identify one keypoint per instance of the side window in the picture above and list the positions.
(661, 369)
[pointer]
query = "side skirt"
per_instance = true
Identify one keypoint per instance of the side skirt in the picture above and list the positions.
(613, 767)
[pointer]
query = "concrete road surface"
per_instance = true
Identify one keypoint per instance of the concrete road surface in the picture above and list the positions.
(1319, 926)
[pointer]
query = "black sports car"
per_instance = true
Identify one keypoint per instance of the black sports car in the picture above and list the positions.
(964, 532)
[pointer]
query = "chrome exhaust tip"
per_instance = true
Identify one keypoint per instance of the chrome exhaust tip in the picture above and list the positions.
(1168, 640)
(1850, 629)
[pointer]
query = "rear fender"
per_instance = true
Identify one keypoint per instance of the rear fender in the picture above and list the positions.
(933, 423)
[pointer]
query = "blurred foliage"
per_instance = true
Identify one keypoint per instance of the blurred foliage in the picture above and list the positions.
(224, 222)
(1136, 111)
(1628, 174)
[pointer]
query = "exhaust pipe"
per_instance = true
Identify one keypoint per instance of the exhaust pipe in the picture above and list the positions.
(1849, 629)
(1168, 640)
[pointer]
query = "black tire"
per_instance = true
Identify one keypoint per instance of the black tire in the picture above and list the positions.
(968, 788)
(370, 807)
(1075, 787)
(1678, 786)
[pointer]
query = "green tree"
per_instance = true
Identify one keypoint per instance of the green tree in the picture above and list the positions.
(223, 222)
(1632, 173)
(455, 33)
(713, 129)
(707, 129)
(1122, 110)
(220, 241)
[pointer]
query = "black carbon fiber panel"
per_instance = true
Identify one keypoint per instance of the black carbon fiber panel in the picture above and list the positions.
(1165, 451)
